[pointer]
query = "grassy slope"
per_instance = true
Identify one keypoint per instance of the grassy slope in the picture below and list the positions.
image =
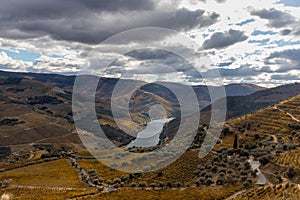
(50, 174)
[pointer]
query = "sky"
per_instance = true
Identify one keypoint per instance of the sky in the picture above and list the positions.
(249, 41)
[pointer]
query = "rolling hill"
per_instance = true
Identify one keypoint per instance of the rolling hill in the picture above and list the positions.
(31, 110)
(242, 105)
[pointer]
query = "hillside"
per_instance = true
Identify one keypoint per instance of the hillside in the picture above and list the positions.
(32, 103)
(242, 105)
(270, 136)
(106, 85)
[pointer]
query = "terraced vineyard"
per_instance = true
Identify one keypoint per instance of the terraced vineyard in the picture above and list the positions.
(276, 192)
(291, 106)
(279, 121)
(290, 159)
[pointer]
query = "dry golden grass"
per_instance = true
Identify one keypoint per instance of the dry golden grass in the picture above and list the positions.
(290, 159)
(56, 174)
(103, 170)
(182, 170)
(275, 192)
(273, 120)
(205, 193)
(179, 171)
(37, 155)
(46, 194)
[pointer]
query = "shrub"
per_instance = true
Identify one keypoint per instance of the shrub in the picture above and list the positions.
(152, 185)
(246, 185)
(208, 182)
(290, 172)
(161, 184)
(220, 181)
(178, 185)
(159, 174)
(96, 182)
(264, 160)
(124, 178)
(133, 184)
(142, 185)
(101, 180)
(214, 169)
(117, 180)
(244, 152)
(169, 184)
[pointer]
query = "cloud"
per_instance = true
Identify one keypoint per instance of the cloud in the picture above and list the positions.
(285, 32)
(243, 71)
(275, 17)
(285, 77)
(149, 54)
(224, 39)
(279, 19)
(92, 21)
(286, 60)
(155, 61)
(7, 62)
(55, 9)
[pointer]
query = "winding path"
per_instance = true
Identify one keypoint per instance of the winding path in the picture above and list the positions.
(289, 114)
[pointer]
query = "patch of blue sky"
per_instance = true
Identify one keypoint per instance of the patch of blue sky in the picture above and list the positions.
(55, 56)
(256, 52)
(293, 3)
(204, 35)
(259, 32)
(224, 64)
(282, 43)
(259, 42)
(245, 22)
(24, 55)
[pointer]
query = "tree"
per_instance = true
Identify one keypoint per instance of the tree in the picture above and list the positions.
(169, 184)
(290, 172)
(133, 185)
(178, 184)
(153, 185)
(159, 174)
(198, 183)
(235, 143)
(142, 185)
(161, 184)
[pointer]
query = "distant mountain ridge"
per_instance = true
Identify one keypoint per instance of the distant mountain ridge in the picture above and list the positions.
(38, 107)
(242, 105)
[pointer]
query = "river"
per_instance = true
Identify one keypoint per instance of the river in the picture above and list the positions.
(149, 136)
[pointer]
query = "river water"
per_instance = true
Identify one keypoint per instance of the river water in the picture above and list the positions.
(149, 136)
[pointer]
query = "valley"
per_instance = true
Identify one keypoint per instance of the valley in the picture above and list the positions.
(44, 158)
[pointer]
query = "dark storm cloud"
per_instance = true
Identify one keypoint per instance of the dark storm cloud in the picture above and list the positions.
(285, 32)
(195, 1)
(287, 60)
(275, 17)
(54, 9)
(220, 40)
(92, 21)
(242, 71)
(279, 19)
(149, 54)
(285, 77)
(155, 61)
